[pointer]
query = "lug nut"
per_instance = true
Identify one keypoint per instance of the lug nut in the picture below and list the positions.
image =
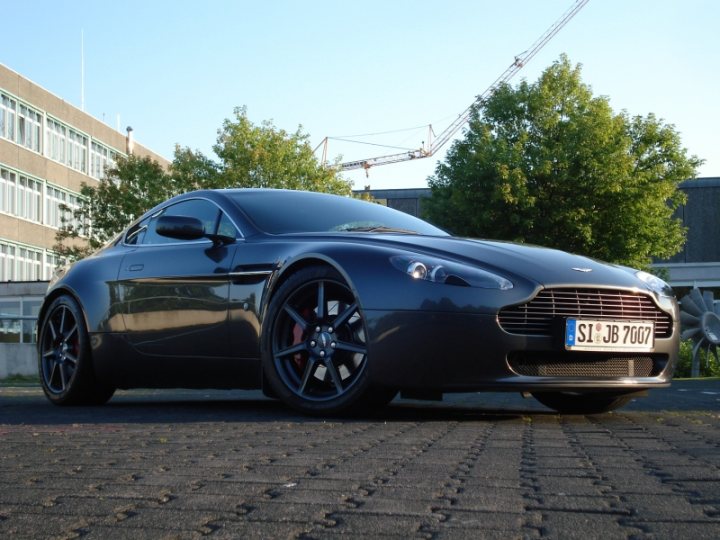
(322, 354)
(313, 343)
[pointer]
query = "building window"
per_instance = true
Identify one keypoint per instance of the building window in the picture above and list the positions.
(8, 109)
(20, 263)
(29, 128)
(66, 145)
(10, 322)
(20, 195)
(52, 262)
(18, 318)
(28, 264)
(101, 159)
(54, 213)
(77, 151)
(55, 140)
(29, 199)
(7, 262)
(8, 191)
(19, 123)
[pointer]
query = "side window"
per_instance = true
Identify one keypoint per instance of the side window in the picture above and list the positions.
(201, 209)
(226, 227)
(136, 233)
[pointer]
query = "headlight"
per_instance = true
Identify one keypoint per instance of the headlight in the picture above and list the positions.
(655, 284)
(449, 273)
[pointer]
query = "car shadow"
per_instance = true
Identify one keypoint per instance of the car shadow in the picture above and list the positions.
(166, 407)
(28, 407)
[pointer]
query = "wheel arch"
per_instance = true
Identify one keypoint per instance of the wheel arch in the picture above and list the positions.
(306, 261)
(289, 269)
(50, 298)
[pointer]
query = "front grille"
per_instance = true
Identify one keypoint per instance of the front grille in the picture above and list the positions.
(554, 365)
(538, 317)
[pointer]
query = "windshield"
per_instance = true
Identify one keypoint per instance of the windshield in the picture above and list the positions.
(284, 212)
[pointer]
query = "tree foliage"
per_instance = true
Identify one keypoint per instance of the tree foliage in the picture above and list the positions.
(264, 156)
(549, 163)
(249, 156)
(130, 187)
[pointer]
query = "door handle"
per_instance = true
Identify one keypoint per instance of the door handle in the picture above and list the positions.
(135, 267)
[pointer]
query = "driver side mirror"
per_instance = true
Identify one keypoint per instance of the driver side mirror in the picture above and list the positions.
(180, 227)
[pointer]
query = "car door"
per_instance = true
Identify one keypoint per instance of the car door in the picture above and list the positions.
(175, 292)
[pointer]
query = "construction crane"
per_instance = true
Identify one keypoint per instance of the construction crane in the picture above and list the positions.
(432, 146)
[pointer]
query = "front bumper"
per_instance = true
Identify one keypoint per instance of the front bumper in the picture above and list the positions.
(462, 352)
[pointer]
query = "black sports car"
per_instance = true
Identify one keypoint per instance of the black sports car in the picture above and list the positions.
(333, 304)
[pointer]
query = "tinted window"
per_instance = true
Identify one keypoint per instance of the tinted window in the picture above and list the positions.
(279, 212)
(144, 232)
(226, 227)
(136, 233)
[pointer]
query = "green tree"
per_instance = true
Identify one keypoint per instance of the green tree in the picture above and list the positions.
(249, 156)
(265, 156)
(548, 163)
(130, 187)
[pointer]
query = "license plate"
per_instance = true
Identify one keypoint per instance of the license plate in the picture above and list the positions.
(593, 335)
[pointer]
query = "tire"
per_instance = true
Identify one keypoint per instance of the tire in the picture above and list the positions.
(582, 402)
(315, 354)
(64, 358)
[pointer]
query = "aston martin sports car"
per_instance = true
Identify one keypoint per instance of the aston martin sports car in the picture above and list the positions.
(334, 305)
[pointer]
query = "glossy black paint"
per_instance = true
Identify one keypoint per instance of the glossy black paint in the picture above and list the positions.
(191, 312)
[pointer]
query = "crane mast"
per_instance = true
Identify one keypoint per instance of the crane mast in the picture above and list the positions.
(448, 133)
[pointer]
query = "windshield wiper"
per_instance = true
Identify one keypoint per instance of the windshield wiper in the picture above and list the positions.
(378, 228)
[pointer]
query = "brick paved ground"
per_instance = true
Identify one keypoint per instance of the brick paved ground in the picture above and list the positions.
(168, 465)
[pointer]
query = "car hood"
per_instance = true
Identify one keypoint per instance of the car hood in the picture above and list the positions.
(544, 266)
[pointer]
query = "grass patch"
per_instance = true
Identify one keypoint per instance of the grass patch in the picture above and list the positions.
(20, 380)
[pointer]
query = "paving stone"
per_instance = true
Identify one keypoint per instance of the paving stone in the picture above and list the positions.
(378, 525)
(666, 507)
(497, 500)
(168, 468)
(575, 503)
(481, 521)
(583, 525)
(697, 530)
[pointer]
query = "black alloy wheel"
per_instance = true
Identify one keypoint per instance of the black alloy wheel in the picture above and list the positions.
(64, 359)
(582, 402)
(315, 348)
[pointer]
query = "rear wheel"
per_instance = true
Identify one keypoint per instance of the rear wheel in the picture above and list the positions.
(582, 402)
(64, 358)
(315, 352)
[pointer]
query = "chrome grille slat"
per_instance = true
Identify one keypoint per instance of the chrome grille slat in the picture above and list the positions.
(536, 317)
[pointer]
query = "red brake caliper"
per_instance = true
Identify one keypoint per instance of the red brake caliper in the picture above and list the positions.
(299, 336)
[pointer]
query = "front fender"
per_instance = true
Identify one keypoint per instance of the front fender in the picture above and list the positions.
(93, 283)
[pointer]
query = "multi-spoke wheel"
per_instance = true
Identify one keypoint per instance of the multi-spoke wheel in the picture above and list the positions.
(64, 360)
(582, 402)
(315, 345)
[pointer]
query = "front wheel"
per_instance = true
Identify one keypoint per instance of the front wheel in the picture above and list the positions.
(315, 350)
(582, 402)
(64, 358)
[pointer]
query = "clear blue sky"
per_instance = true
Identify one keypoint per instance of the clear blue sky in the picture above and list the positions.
(173, 70)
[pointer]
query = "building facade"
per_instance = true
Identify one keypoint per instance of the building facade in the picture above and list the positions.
(48, 149)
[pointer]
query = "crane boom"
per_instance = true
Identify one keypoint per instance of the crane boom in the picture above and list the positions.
(448, 133)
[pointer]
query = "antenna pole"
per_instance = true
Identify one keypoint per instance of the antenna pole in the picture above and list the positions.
(82, 70)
